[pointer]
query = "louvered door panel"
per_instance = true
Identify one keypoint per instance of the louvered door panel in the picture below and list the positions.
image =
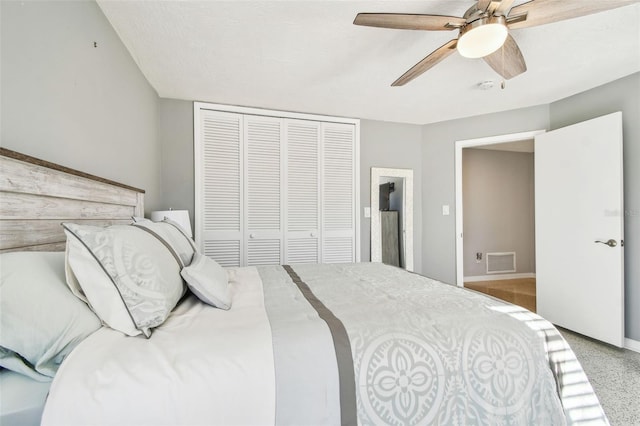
(222, 151)
(226, 253)
(263, 252)
(338, 250)
(302, 140)
(302, 250)
(263, 190)
(338, 202)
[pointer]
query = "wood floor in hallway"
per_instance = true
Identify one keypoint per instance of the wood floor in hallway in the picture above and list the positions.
(521, 291)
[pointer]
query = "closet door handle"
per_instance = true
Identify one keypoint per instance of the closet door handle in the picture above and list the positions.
(252, 235)
(313, 234)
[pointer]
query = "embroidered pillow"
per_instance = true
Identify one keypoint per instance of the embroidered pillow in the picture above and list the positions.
(128, 276)
(173, 235)
(209, 281)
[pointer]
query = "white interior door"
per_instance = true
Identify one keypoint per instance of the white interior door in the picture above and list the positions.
(579, 207)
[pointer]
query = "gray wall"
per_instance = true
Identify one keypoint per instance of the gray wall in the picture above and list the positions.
(438, 178)
(175, 135)
(498, 199)
(620, 95)
(64, 100)
(391, 145)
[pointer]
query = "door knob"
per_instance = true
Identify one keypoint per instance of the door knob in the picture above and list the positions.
(252, 235)
(610, 243)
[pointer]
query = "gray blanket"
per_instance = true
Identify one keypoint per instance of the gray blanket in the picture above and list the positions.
(372, 344)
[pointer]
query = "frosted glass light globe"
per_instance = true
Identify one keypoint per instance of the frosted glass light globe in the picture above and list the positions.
(483, 38)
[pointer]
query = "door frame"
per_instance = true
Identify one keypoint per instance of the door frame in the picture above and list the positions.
(459, 146)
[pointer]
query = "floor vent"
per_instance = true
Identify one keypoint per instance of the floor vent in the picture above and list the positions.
(498, 263)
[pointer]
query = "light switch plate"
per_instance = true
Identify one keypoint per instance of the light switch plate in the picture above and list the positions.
(367, 212)
(445, 210)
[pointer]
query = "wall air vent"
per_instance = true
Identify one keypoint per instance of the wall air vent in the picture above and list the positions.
(498, 263)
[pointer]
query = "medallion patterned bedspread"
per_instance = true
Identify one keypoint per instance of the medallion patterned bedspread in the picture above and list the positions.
(330, 344)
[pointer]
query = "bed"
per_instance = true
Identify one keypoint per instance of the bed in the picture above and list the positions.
(275, 344)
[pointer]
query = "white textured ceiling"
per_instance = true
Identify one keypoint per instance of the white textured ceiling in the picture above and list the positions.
(307, 56)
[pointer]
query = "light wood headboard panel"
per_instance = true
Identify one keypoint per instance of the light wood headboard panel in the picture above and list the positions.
(36, 196)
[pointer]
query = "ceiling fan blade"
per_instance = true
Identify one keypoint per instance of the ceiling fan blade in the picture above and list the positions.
(433, 59)
(508, 60)
(541, 12)
(503, 8)
(403, 21)
(483, 5)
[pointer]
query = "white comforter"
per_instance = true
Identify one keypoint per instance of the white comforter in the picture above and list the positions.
(109, 370)
(355, 343)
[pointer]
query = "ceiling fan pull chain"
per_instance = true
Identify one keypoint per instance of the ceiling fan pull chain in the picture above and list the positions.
(503, 83)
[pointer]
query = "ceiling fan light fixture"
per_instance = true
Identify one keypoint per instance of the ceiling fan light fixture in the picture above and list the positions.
(482, 37)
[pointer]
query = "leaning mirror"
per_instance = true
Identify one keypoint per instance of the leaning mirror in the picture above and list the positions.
(392, 216)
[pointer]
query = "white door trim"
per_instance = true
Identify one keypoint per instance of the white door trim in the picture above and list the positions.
(459, 146)
(632, 345)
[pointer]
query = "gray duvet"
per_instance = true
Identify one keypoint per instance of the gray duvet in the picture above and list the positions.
(373, 344)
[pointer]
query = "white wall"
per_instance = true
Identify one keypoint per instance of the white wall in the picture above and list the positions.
(620, 95)
(66, 101)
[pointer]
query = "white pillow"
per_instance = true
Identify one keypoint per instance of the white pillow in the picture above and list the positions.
(130, 279)
(171, 233)
(208, 281)
(41, 321)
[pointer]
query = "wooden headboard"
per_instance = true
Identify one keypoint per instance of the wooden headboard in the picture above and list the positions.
(36, 196)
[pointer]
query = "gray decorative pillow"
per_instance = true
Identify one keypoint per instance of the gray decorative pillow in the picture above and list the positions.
(173, 235)
(40, 321)
(209, 281)
(130, 278)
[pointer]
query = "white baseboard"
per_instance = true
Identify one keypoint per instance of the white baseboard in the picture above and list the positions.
(632, 345)
(496, 277)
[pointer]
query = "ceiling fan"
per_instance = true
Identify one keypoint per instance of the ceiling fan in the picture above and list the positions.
(484, 30)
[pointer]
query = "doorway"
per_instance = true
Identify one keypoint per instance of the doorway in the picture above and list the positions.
(509, 139)
(498, 221)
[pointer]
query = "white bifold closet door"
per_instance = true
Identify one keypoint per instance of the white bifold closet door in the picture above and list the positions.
(275, 190)
(338, 207)
(302, 216)
(220, 186)
(262, 192)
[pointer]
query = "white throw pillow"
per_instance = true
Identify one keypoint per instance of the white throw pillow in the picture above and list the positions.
(40, 321)
(208, 281)
(129, 277)
(171, 233)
